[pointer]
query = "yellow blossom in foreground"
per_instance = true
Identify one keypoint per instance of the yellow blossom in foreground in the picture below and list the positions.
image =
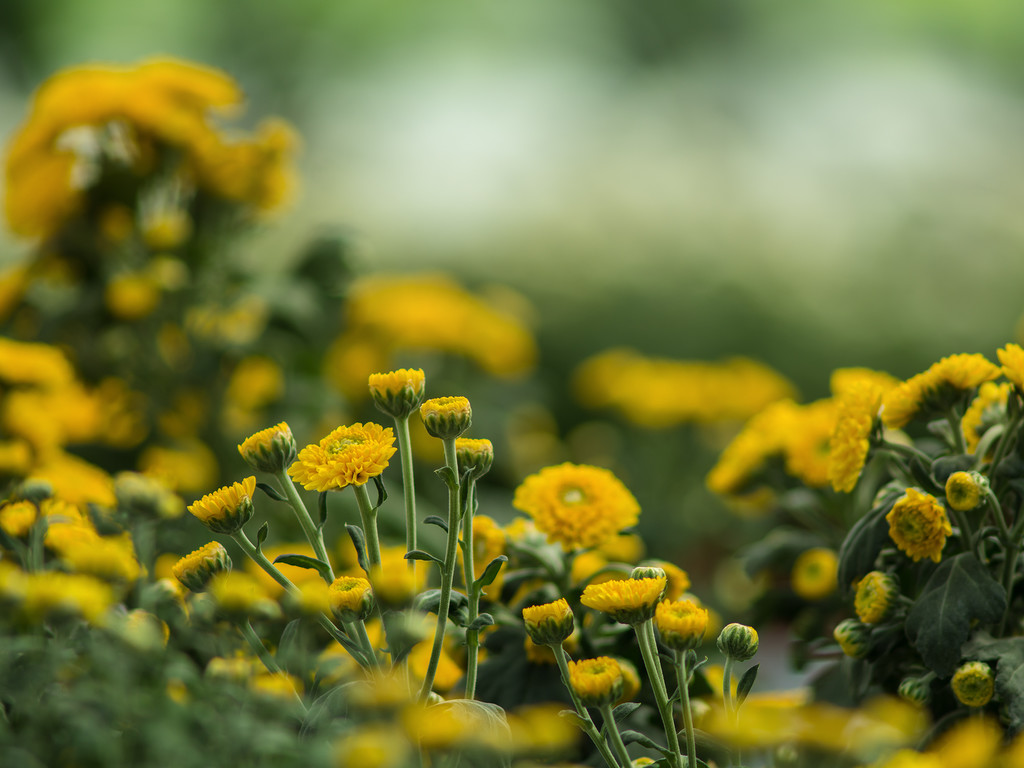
(227, 509)
(919, 525)
(446, 417)
(347, 456)
(577, 505)
(628, 601)
(597, 682)
(814, 573)
(972, 743)
(986, 410)
(351, 598)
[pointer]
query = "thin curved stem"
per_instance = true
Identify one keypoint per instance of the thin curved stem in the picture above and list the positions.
(683, 679)
(314, 534)
(368, 517)
(613, 730)
(561, 658)
(408, 485)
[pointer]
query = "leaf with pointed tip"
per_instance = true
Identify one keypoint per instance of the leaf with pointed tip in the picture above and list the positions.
(490, 572)
(449, 478)
(458, 605)
(959, 592)
(437, 520)
(745, 684)
(261, 535)
(382, 494)
(321, 504)
(305, 561)
(630, 737)
(623, 711)
(481, 621)
(271, 492)
(419, 554)
(359, 542)
(573, 718)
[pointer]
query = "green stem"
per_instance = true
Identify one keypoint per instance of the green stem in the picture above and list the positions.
(1004, 442)
(448, 567)
(958, 434)
(408, 485)
(368, 517)
(468, 577)
(358, 653)
(649, 651)
(683, 678)
(727, 687)
(613, 729)
(1011, 553)
(265, 656)
(561, 657)
(314, 534)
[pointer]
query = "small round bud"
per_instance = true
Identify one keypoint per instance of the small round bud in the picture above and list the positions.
(270, 450)
(196, 569)
(597, 682)
(446, 417)
(876, 593)
(473, 455)
(549, 624)
(34, 490)
(681, 624)
(227, 509)
(648, 572)
(398, 393)
(973, 684)
(853, 637)
(965, 489)
(738, 642)
(915, 690)
(351, 598)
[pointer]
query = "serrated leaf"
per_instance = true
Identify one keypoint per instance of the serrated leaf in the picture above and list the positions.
(449, 478)
(481, 621)
(382, 493)
(861, 546)
(419, 554)
(271, 492)
(305, 561)
(359, 542)
(745, 684)
(261, 535)
(959, 592)
(635, 737)
(490, 572)
(623, 711)
(437, 520)
(573, 718)
(321, 505)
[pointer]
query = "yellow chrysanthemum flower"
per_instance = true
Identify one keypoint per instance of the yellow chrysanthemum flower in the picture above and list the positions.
(986, 410)
(227, 509)
(678, 579)
(973, 684)
(348, 456)
(628, 601)
(111, 558)
(956, 372)
(550, 623)
(17, 518)
(351, 598)
(446, 417)
(597, 682)
(858, 408)
(814, 573)
(964, 490)
(398, 393)
(54, 594)
(240, 595)
(806, 442)
(761, 438)
(876, 593)
(919, 525)
(577, 505)
(196, 569)
(271, 449)
(681, 624)
(475, 455)
(372, 746)
(1012, 358)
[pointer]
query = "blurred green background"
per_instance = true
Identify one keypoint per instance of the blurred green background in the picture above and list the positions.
(813, 184)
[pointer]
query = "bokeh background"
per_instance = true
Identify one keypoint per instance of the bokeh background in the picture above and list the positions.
(811, 184)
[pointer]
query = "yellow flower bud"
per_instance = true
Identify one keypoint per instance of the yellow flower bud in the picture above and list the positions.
(916, 690)
(597, 682)
(270, 450)
(196, 569)
(875, 595)
(226, 510)
(853, 637)
(351, 598)
(398, 393)
(446, 417)
(681, 624)
(549, 624)
(477, 456)
(964, 490)
(738, 642)
(973, 684)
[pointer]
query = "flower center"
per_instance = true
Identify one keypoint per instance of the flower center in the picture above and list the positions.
(346, 442)
(573, 496)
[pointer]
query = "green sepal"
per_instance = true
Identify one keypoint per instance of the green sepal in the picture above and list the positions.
(261, 535)
(745, 684)
(382, 494)
(359, 542)
(959, 592)
(419, 554)
(490, 572)
(305, 561)
(271, 491)
(321, 505)
(635, 737)
(437, 520)
(449, 477)
(574, 718)
(623, 711)
(481, 621)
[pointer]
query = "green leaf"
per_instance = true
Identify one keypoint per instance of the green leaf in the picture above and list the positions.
(261, 535)
(631, 737)
(289, 649)
(305, 561)
(382, 494)
(430, 602)
(449, 477)
(778, 548)
(623, 711)
(490, 572)
(481, 621)
(321, 504)
(573, 718)
(862, 544)
(359, 542)
(271, 492)
(419, 554)
(745, 684)
(959, 592)
(437, 520)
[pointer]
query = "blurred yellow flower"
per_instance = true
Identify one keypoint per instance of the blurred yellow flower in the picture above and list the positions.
(986, 410)
(876, 594)
(956, 372)
(814, 573)
(858, 409)
(598, 682)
